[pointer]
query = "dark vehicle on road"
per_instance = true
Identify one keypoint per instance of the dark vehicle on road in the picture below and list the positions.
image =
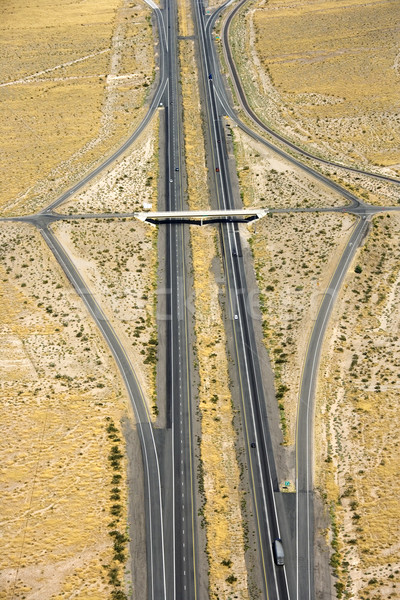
(279, 555)
(217, 169)
(210, 76)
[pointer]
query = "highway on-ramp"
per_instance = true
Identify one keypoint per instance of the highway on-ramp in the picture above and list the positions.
(156, 554)
(168, 455)
(305, 417)
(246, 106)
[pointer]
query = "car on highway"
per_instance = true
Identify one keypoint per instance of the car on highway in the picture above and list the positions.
(279, 555)
(171, 180)
(234, 253)
(218, 141)
(253, 444)
(236, 317)
(217, 169)
(210, 76)
(176, 168)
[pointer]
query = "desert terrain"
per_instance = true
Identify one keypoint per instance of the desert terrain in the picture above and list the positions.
(61, 393)
(73, 84)
(269, 181)
(123, 278)
(356, 440)
(326, 75)
(129, 185)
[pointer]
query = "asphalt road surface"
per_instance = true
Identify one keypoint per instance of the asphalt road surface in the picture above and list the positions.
(156, 553)
(179, 475)
(260, 458)
(271, 132)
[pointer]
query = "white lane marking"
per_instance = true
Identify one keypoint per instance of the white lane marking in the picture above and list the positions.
(248, 385)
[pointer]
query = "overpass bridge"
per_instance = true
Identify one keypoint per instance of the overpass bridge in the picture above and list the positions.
(204, 216)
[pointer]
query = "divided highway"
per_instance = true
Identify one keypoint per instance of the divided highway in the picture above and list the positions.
(260, 458)
(168, 455)
(179, 475)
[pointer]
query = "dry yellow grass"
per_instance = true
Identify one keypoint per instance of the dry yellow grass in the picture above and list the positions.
(334, 67)
(74, 84)
(130, 185)
(59, 386)
(222, 513)
(185, 20)
(194, 142)
(356, 436)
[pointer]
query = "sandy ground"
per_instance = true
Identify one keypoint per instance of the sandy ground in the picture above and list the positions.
(356, 437)
(220, 477)
(321, 76)
(295, 256)
(118, 260)
(59, 388)
(269, 181)
(372, 191)
(74, 82)
(129, 185)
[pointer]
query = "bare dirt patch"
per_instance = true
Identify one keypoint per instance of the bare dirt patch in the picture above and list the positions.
(118, 260)
(267, 180)
(356, 437)
(74, 83)
(59, 388)
(129, 186)
(295, 256)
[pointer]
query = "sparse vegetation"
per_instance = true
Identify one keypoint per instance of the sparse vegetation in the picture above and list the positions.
(313, 87)
(59, 384)
(219, 476)
(355, 437)
(124, 276)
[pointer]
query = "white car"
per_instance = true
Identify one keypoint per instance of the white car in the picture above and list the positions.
(236, 316)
